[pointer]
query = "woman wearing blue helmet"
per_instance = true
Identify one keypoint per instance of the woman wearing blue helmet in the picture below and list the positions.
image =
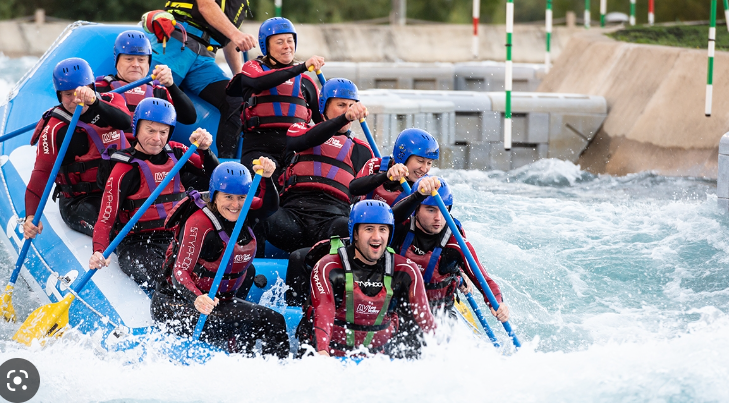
(133, 59)
(202, 231)
(101, 125)
(412, 157)
(130, 177)
(276, 93)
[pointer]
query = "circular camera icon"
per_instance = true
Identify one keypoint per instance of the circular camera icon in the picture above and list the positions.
(19, 380)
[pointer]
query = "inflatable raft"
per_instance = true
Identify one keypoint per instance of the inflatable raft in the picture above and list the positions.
(111, 304)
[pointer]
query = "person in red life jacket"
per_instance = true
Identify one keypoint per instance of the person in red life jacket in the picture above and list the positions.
(133, 57)
(185, 36)
(101, 125)
(276, 93)
(131, 175)
(423, 236)
(193, 259)
(412, 157)
(361, 291)
(315, 200)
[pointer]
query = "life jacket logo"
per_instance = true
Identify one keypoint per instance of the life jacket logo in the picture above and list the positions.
(369, 283)
(288, 82)
(110, 136)
(136, 90)
(242, 258)
(334, 142)
(418, 251)
(159, 176)
(367, 309)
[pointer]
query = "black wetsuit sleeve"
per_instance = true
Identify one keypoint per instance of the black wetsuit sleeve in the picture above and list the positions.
(269, 201)
(405, 207)
(360, 155)
(194, 176)
(310, 93)
(362, 186)
(109, 115)
(270, 80)
(317, 135)
(186, 113)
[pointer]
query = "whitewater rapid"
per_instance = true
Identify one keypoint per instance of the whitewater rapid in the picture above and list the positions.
(618, 290)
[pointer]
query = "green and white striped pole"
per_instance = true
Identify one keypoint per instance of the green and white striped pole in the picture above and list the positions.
(603, 11)
(710, 73)
(587, 17)
(277, 3)
(548, 29)
(726, 13)
(508, 73)
(632, 12)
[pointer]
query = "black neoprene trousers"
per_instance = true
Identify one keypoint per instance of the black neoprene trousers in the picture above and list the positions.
(234, 325)
(80, 213)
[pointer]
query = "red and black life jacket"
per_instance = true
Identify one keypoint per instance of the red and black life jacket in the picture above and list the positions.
(359, 312)
(79, 177)
(278, 107)
(382, 194)
(439, 287)
(150, 175)
(204, 271)
(326, 168)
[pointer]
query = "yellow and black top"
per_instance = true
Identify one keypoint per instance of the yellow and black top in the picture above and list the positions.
(188, 11)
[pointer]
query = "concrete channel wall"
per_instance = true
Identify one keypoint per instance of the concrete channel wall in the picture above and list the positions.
(353, 42)
(656, 96)
(469, 125)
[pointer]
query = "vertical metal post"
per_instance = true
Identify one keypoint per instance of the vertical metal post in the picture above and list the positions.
(587, 17)
(632, 12)
(603, 11)
(476, 14)
(651, 11)
(508, 73)
(548, 30)
(710, 73)
(277, 3)
(726, 13)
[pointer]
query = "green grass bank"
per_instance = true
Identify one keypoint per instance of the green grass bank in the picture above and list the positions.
(684, 36)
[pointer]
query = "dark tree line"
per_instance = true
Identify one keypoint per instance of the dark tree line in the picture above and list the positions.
(326, 11)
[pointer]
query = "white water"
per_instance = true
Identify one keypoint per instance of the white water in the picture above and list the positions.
(617, 288)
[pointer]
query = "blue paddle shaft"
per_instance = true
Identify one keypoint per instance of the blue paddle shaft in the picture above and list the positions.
(406, 187)
(47, 190)
(320, 75)
(474, 266)
(486, 328)
(370, 139)
(128, 226)
(228, 252)
(24, 129)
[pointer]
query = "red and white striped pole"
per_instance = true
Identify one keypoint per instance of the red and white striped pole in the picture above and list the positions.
(476, 13)
(651, 14)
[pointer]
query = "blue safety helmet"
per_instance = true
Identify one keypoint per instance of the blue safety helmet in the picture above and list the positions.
(274, 26)
(230, 177)
(415, 142)
(444, 191)
(155, 110)
(337, 88)
(371, 212)
(132, 42)
(70, 74)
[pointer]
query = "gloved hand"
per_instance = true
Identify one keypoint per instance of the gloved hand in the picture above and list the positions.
(160, 23)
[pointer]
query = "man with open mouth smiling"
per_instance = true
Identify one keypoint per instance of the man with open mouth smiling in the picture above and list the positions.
(360, 292)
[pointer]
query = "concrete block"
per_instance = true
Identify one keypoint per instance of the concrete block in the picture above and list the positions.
(521, 156)
(401, 75)
(453, 157)
(468, 127)
(492, 128)
(537, 128)
(478, 155)
(519, 128)
(489, 76)
(722, 179)
(724, 144)
(500, 158)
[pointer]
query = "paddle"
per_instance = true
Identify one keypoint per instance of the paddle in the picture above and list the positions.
(370, 139)
(319, 74)
(49, 319)
(472, 263)
(6, 307)
(119, 90)
(482, 319)
(229, 249)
